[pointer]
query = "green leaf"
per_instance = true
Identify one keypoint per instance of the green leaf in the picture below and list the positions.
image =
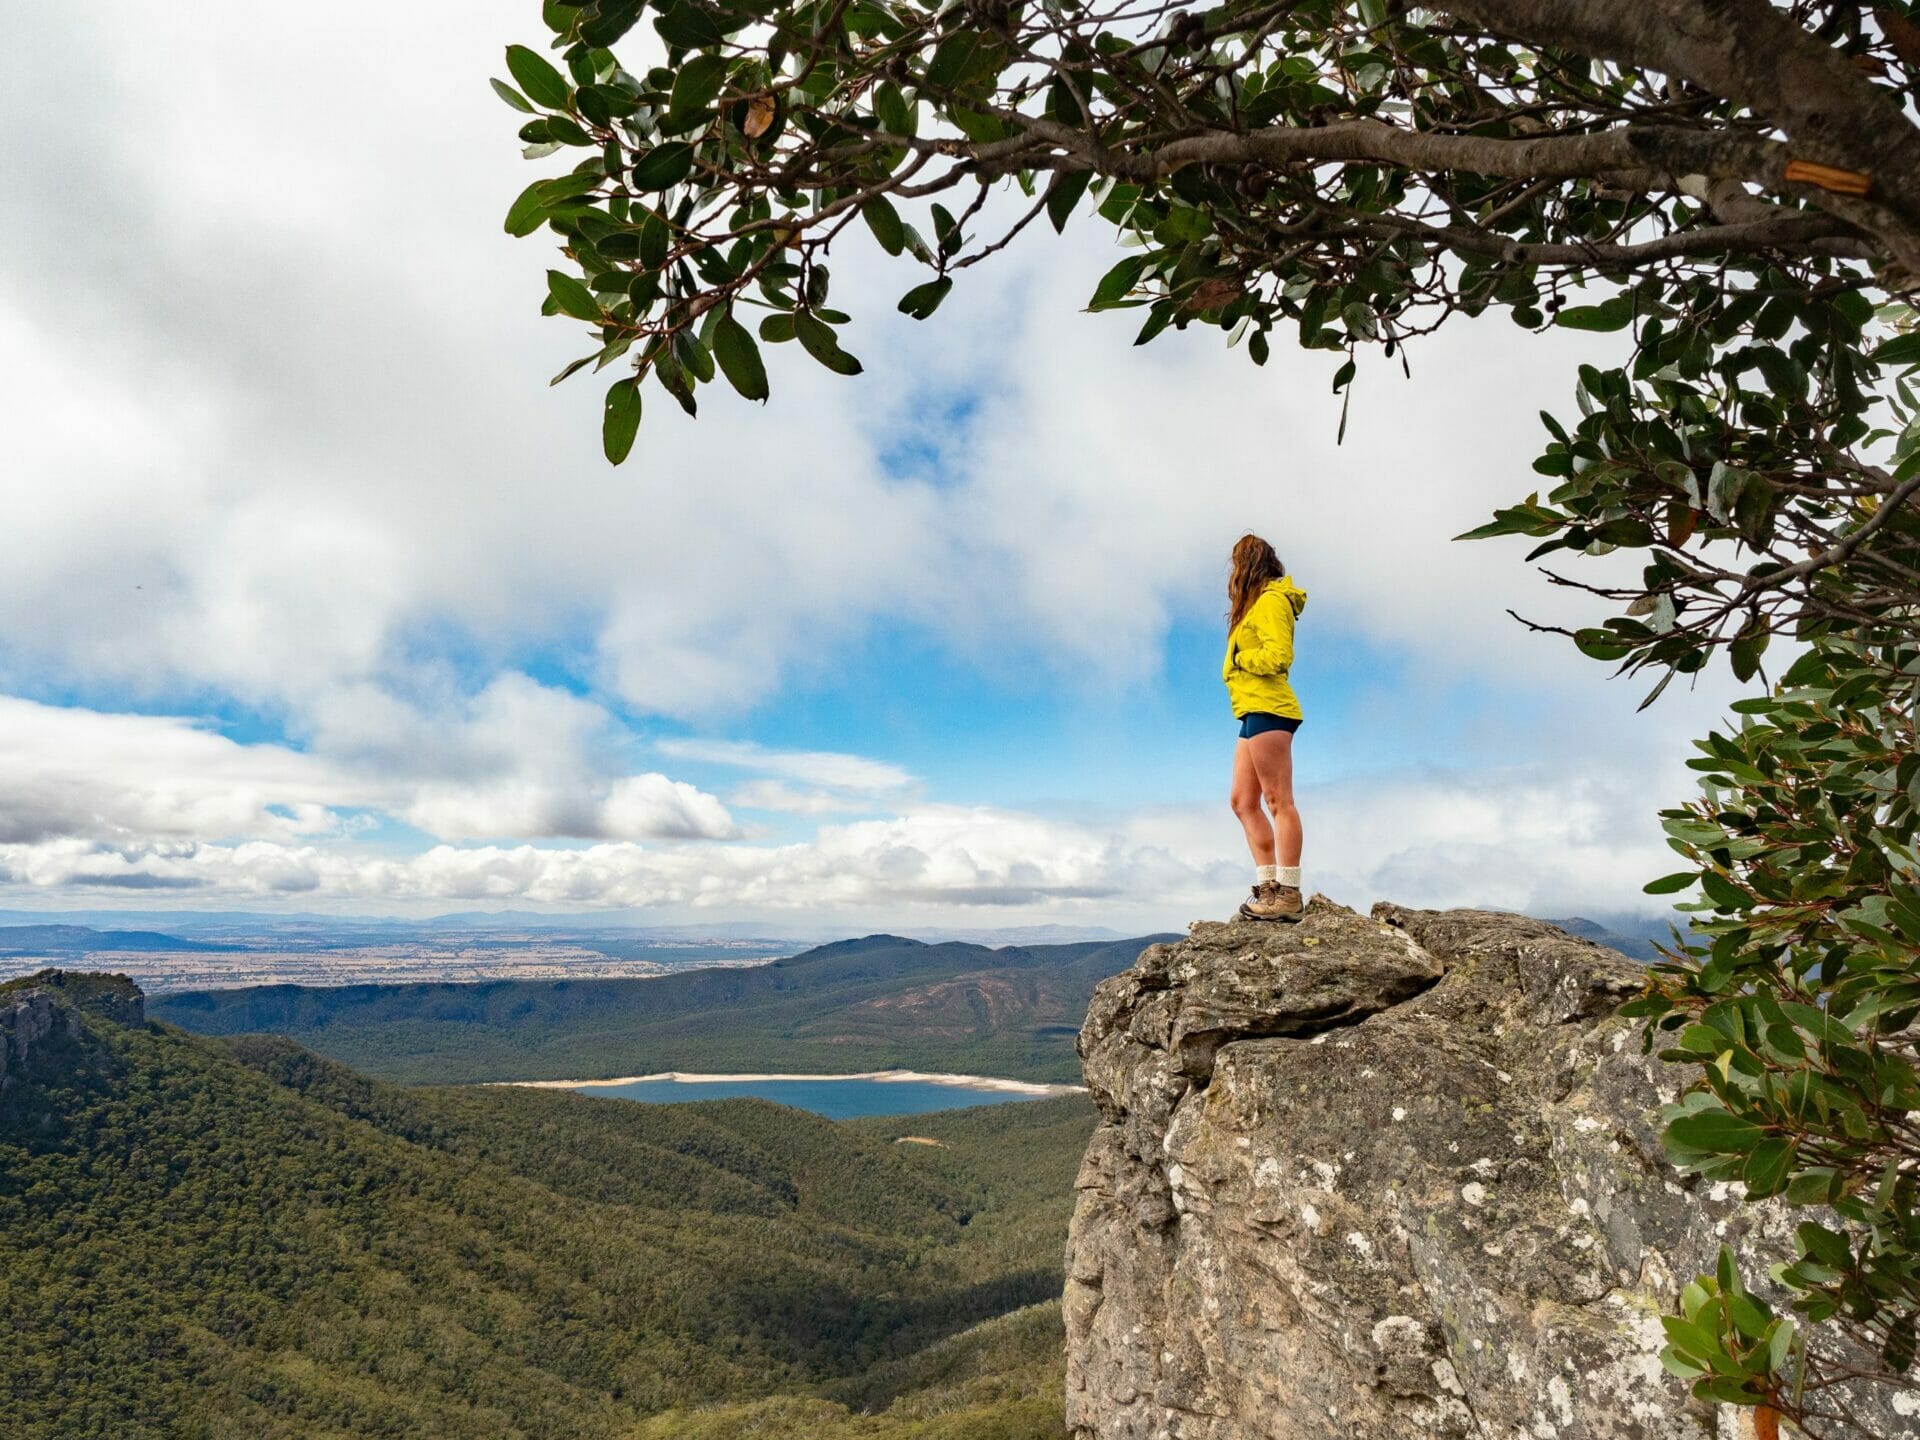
(1598, 644)
(1691, 1339)
(1780, 1346)
(1614, 314)
(1767, 1166)
(563, 131)
(542, 84)
(891, 109)
(1117, 283)
(884, 221)
(1671, 1360)
(529, 212)
(963, 52)
(820, 342)
(620, 419)
(1747, 649)
(1821, 1244)
(1715, 1132)
(1901, 350)
(1722, 891)
(1670, 884)
(1064, 194)
(923, 300)
(573, 298)
(611, 19)
(700, 80)
(570, 297)
(512, 96)
(654, 242)
(740, 359)
(688, 26)
(662, 166)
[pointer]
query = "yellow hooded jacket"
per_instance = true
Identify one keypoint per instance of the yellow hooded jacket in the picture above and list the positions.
(1260, 652)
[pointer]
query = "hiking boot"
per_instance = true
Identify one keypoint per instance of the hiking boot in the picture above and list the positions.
(1272, 901)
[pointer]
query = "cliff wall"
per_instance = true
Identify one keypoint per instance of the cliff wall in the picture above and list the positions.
(1385, 1178)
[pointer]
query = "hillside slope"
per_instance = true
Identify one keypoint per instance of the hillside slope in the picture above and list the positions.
(875, 1003)
(208, 1238)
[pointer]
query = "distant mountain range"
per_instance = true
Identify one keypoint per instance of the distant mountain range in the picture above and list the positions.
(30, 940)
(883, 1001)
(1632, 935)
(308, 927)
(880, 1002)
(607, 932)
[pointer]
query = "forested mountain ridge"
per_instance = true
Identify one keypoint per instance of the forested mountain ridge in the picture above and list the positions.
(208, 1238)
(84, 939)
(872, 1003)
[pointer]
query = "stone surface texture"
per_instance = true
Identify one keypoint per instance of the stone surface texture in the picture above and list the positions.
(1384, 1178)
(37, 1008)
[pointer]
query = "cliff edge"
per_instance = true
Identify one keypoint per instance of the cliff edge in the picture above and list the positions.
(1384, 1178)
(41, 1017)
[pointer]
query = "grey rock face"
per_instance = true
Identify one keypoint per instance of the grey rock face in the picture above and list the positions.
(1384, 1178)
(25, 1021)
(34, 1008)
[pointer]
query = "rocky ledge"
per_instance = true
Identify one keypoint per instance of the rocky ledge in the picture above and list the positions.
(1383, 1178)
(46, 1006)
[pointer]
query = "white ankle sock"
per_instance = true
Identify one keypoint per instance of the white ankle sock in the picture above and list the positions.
(1265, 873)
(1287, 875)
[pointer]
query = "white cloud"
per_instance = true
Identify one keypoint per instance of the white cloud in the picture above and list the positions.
(150, 785)
(814, 767)
(668, 809)
(1546, 843)
(779, 796)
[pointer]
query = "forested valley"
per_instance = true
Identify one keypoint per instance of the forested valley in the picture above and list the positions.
(222, 1237)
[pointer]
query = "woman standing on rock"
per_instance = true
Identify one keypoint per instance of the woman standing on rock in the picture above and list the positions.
(1263, 604)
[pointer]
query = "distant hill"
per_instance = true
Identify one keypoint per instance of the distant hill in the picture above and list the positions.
(1631, 935)
(224, 1238)
(28, 940)
(874, 1003)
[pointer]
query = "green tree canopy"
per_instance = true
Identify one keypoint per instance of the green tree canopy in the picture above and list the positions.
(1732, 185)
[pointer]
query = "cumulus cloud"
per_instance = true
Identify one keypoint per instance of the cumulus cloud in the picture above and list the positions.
(1544, 842)
(145, 786)
(71, 772)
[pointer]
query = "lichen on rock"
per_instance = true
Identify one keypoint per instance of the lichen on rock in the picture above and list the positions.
(1383, 1178)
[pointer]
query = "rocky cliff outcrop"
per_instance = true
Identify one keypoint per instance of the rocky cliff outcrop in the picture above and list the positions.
(1383, 1178)
(47, 1008)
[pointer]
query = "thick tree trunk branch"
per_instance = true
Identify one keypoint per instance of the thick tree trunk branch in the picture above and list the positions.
(1592, 155)
(1756, 55)
(1796, 233)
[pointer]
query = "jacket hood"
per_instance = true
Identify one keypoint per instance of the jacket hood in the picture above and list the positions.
(1295, 596)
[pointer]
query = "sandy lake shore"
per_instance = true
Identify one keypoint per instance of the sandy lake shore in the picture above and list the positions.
(963, 1082)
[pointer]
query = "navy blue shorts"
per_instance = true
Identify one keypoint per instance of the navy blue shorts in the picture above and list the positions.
(1260, 722)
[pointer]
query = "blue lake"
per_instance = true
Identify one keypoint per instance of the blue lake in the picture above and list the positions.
(837, 1099)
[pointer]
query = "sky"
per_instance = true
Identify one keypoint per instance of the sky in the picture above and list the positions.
(314, 595)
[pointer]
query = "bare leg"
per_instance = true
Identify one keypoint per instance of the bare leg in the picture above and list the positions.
(1244, 797)
(1272, 758)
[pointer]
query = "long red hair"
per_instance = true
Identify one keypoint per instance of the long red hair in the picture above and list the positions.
(1255, 566)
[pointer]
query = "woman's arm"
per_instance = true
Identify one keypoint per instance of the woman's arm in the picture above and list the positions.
(1272, 621)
